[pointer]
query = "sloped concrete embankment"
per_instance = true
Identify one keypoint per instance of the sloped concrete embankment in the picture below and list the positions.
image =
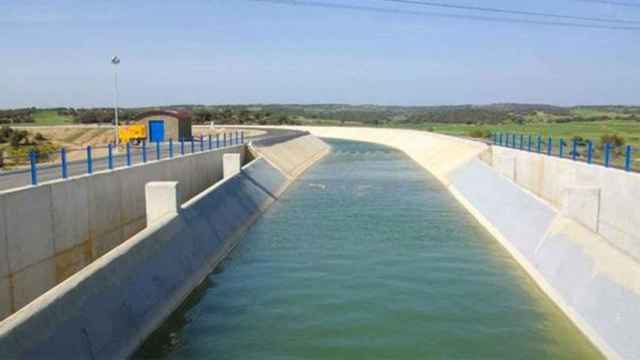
(572, 226)
(50, 231)
(108, 308)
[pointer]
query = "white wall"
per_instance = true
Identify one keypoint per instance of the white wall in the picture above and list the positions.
(603, 199)
(50, 231)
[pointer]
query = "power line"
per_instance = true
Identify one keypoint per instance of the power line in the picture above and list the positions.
(514, 12)
(614, 3)
(319, 4)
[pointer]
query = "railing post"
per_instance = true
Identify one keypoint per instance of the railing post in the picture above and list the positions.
(128, 154)
(529, 144)
(224, 139)
(217, 141)
(514, 141)
(627, 158)
(521, 141)
(193, 146)
(607, 154)
(201, 143)
(500, 139)
(144, 151)
(589, 151)
(210, 142)
(539, 145)
(89, 160)
(182, 146)
(549, 146)
(63, 162)
(33, 159)
(170, 148)
(242, 137)
(561, 151)
(158, 150)
(574, 151)
(110, 156)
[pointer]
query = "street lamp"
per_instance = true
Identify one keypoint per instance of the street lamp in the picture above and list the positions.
(115, 61)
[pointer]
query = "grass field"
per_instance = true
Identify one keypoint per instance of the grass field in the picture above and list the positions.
(44, 118)
(591, 130)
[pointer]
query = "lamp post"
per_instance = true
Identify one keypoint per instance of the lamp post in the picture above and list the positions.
(115, 61)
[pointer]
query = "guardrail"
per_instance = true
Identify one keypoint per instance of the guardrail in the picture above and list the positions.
(574, 149)
(143, 152)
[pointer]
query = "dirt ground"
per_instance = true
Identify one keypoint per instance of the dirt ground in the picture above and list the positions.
(75, 139)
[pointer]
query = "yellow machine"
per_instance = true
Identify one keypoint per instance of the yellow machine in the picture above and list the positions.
(134, 132)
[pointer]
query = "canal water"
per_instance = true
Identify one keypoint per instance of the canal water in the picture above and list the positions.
(367, 257)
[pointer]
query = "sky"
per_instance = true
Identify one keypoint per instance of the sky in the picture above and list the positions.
(57, 53)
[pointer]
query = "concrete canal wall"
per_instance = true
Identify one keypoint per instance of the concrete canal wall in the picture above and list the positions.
(50, 231)
(572, 226)
(106, 310)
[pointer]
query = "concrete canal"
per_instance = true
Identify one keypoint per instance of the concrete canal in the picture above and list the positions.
(367, 256)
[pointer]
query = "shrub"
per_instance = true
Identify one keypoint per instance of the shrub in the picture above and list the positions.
(5, 133)
(479, 133)
(17, 137)
(615, 140)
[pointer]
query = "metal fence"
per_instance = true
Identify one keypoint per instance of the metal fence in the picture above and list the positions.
(58, 165)
(608, 155)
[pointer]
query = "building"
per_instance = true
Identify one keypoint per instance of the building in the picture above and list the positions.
(163, 125)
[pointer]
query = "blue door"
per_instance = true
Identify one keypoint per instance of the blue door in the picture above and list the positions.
(156, 130)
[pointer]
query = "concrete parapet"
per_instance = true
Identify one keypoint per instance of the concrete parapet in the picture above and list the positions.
(583, 205)
(231, 165)
(505, 164)
(162, 199)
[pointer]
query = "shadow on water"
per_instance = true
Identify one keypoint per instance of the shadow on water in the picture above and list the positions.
(167, 338)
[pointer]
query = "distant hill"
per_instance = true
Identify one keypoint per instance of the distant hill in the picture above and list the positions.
(366, 114)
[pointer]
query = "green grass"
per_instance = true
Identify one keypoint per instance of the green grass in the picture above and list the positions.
(51, 118)
(591, 130)
(589, 113)
(588, 130)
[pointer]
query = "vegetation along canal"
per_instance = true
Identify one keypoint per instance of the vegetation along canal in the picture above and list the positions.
(366, 257)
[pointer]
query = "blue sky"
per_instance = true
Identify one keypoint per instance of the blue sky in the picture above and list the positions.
(56, 53)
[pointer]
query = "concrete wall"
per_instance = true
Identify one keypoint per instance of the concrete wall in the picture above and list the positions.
(572, 226)
(602, 199)
(107, 309)
(50, 231)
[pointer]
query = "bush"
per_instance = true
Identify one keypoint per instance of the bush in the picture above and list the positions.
(17, 137)
(614, 140)
(39, 137)
(479, 133)
(5, 133)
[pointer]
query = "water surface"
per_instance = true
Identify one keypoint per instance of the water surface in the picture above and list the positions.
(367, 257)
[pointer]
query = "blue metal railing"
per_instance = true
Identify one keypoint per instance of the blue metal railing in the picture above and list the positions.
(608, 151)
(109, 162)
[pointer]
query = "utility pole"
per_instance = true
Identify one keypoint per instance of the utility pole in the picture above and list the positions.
(115, 61)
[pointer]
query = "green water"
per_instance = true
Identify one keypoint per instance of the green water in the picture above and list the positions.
(367, 257)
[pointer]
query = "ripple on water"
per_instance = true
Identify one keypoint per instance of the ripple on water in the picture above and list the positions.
(367, 257)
